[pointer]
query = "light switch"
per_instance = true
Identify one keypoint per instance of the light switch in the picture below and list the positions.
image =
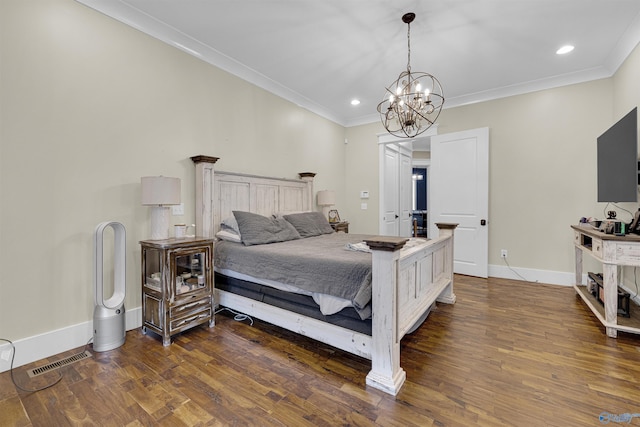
(364, 194)
(363, 206)
(177, 209)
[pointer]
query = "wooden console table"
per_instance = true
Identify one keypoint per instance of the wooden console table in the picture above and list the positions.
(612, 251)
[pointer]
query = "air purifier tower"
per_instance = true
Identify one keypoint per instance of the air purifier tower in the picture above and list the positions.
(109, 314)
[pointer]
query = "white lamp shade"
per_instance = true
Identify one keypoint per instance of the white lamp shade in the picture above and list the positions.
(326, 198)
(160, 190)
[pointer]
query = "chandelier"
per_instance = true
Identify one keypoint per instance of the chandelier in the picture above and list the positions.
(413, 102)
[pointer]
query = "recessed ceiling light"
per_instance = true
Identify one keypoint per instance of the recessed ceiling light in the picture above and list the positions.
(355, 102)
(564, 49)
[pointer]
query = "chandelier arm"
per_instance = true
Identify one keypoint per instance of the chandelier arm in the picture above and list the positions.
(426, 117)
(390, 91)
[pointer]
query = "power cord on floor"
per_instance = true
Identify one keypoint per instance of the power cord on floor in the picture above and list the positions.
(18, 386)
(238, 317)
(515, 272)
(86, 346)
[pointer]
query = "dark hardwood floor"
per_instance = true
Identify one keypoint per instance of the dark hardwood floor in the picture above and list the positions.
(508, 353)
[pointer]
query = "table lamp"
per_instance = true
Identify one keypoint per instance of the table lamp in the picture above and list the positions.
(160, 192)
(326, 199)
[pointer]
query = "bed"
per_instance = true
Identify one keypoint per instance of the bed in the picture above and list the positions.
(406, 276)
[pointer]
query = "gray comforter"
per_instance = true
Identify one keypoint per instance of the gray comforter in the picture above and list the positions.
(317, 264)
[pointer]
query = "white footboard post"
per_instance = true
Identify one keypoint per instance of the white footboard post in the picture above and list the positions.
(446, 229)
(386, 373)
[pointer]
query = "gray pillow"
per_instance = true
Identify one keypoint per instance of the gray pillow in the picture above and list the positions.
(257, 229)
(310, 224)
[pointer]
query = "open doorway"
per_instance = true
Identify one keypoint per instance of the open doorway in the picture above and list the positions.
(395, 207)
(419, 201)
(420, 163)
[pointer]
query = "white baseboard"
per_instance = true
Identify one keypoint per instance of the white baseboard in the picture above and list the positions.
(532, 275)
(550, 277)
(45, 345)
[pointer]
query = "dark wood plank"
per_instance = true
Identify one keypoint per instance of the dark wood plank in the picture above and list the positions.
(508, 353)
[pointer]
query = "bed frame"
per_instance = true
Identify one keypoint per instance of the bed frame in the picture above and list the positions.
(406, 282)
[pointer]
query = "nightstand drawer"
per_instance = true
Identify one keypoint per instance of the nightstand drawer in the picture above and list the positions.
(191, 320)
(196, 305)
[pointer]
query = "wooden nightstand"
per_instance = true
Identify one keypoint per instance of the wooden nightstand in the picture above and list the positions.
(177, 285)
(340, 226)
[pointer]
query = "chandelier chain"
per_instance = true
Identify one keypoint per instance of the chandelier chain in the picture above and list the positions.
(409, 47)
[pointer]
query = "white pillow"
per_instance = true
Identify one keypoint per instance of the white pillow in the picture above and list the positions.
(229, 236)
(230, 224)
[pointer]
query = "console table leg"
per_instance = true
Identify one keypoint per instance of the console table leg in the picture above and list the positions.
(578, 266)
(610, 284)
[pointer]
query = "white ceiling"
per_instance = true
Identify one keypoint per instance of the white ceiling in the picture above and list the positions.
(320, 54)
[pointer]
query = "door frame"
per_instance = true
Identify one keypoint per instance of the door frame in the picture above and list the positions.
(385, 139)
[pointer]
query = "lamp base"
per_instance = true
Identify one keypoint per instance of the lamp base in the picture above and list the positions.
(160, 222)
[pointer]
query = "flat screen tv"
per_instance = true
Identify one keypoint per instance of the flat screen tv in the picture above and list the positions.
(618, 161)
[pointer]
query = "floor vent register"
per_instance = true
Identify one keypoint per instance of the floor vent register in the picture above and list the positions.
(59, 364)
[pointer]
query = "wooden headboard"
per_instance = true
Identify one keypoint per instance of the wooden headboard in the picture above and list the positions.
(218, 194)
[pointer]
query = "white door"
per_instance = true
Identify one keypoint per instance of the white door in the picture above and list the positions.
(389, 182)
(406, 194)
(460, 194)
(395, 198)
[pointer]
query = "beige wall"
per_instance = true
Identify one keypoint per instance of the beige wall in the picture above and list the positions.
(626, 86)
(88, 106)
(421, 155)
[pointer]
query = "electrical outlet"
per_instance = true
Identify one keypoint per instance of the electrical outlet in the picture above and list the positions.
(6, 355)
(503, 253)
